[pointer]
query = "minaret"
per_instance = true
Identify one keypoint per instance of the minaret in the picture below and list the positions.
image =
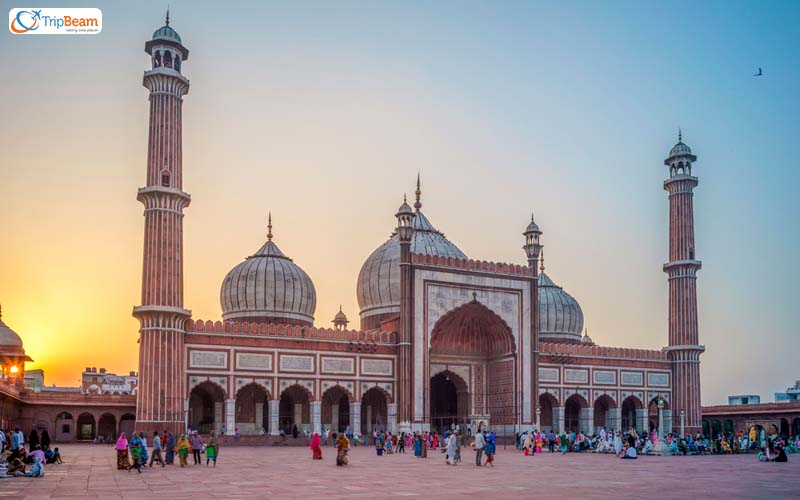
(405, 232)
(533, 250)
(160, 398)
(684, 346)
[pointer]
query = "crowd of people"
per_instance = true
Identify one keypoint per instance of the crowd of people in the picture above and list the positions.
(631, 444)
(386, 443)
(15, 461)
(134, 454)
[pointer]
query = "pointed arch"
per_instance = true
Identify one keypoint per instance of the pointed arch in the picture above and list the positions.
(472, 329)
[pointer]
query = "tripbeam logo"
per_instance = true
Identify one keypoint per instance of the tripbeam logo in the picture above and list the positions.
(34, 21)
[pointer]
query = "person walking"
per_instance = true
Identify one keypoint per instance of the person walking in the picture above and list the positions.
(169, 446)
(451, 449)
(156, 456)
(342, 447)
(316, 449)
(183, 449)
(212, 449)
(197, 448)
(491, 449)
(137, 457)
(122, 452)
(480, 443)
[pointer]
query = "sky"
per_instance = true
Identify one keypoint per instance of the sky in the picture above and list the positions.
(324, 112)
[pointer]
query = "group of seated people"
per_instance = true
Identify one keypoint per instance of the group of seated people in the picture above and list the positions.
(15, 461)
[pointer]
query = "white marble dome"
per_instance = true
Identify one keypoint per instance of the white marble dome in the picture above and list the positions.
(268, 287)
(560, 315)
(378, 286)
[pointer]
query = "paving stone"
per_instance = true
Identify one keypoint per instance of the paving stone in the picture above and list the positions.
(289, 473)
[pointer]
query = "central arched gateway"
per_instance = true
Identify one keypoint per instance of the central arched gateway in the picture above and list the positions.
(449, 401)
(473, 370)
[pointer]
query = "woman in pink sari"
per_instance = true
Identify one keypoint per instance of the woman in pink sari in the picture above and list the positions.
(316, 449)
(122, 452)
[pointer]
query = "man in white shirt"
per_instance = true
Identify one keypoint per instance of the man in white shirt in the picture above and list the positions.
(480, 443)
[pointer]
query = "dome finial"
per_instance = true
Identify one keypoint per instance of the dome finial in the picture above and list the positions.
(269, 227)
(418, 192)
(680, 139)
(167, 21)
(541, 261)
(1, 312)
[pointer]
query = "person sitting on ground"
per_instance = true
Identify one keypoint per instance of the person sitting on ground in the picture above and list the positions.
(16, 467)
(37, 470)
(647, 448)
(683, 447)
(54, 458)
(33, 455)
(630, 453)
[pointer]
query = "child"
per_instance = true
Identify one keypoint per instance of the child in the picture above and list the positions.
(137, 458)
(489, 451)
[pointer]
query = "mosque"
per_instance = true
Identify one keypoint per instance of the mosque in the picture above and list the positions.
(442, 339)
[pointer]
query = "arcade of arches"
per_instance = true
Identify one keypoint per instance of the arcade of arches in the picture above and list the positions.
(256, 413)
(471, 344)
(578, 415)
(74, 423)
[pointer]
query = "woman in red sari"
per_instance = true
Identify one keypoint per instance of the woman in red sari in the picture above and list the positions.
(316, 449)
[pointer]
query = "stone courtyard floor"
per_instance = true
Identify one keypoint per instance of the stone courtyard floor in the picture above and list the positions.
(289, 473)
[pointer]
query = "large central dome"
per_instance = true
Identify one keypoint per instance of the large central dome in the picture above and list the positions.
(268, 287)
(378, 287)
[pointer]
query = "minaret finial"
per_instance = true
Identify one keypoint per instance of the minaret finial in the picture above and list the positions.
(269, 227)
(531, 216)
(680, 139)
(541, 261)
(1, 312)
(167, 15)
(418, 192)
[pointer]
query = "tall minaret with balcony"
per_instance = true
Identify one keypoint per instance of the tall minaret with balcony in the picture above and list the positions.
(160, 398)
(684, 346)
(533, 250)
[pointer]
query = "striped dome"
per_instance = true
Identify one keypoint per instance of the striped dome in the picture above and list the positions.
(268, 287)
(166, 33)
(378, 286)
(560, 315)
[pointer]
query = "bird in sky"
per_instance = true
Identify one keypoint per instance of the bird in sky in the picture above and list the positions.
(759, 73)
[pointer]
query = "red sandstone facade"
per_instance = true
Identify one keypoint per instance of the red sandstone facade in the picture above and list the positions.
(445, 339)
